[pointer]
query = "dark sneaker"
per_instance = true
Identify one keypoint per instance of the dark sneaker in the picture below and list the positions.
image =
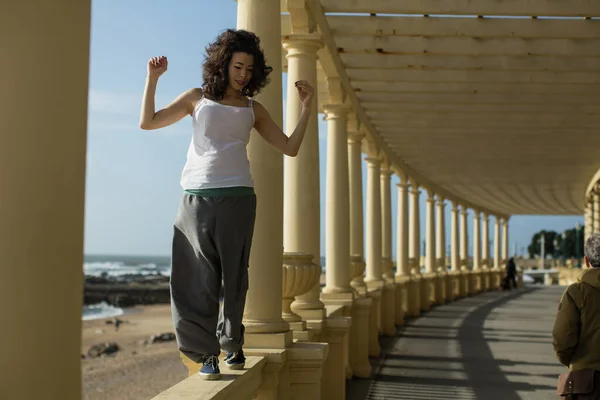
(235, 360)
(210, 369)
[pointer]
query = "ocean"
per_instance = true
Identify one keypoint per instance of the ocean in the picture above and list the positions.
(121, 266)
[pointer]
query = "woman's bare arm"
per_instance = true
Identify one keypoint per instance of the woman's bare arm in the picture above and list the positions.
(180, 107)
(273, 134)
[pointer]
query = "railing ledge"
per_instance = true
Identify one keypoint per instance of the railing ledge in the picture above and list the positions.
(240, 384)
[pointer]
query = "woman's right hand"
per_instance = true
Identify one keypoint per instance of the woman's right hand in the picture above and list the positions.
(157, 66)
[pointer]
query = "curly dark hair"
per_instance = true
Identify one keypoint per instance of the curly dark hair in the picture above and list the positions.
(215, 70)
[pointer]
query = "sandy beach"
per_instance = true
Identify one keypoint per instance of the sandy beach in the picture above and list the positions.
(138, 371)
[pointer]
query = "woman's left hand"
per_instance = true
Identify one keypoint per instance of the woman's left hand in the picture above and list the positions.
(305, 92)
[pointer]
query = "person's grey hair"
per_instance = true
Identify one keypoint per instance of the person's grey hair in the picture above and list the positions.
(592, 249)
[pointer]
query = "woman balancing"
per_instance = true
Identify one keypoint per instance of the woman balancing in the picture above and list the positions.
(215, 220)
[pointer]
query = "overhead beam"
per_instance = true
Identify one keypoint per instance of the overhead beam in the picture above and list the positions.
(418, 45)
(571, 8)
(473, 62)
(478, 98)
(467, 116)
(468, 87)
(533, 125)
(463, 76)
(591, 109)
(459, 27)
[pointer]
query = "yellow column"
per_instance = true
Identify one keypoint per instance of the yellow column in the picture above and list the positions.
(441, 233)
(455, 237)
(404, 298)
(356, 212)
(477, 285)
(497, 243)
(440, 252)
(337, 212)
(596, 212)
(389, 289)
(465, 278)
(485, 263)
(485, 229)
(414, 246)
(497, 271)
(430, 266)
(476, 240)
(455, 254)
(263, 304)
(267, 334)
(386, 223)
(302, 229)
(373, 277)
(589, 219)
(414, 252)
(42, 184)
(505, 239)
(464, 237)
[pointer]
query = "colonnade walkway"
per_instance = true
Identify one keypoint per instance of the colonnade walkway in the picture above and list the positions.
(497, 345)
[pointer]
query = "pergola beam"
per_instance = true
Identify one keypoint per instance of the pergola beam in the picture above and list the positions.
(467, 46)
(400, 62)
(382, 26)
(484, 87)
(476, 98)
(588, 109)
(482, 76)
(559, 8)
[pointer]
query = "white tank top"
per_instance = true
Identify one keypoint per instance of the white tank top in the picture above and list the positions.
(217, 156)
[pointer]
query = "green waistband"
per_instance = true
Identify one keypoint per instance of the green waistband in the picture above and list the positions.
(222, 192)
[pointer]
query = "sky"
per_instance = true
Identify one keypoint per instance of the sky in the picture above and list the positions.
(132, 187)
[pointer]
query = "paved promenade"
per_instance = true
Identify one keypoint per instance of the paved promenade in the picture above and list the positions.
(493, 346)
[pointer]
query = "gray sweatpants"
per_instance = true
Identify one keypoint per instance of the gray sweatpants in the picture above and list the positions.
(211, 248)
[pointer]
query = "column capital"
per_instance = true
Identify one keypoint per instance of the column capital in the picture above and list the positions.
(355, 137)
(302, 43)
(386, 172)
(373, 162)
(336, 111)
(485, 216)
(441, 201)
(414, 190)
(476, 213)
(403, 185)
(464, 210)
(430, 194)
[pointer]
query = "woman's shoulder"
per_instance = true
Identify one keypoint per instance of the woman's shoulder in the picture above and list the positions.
(193, 96)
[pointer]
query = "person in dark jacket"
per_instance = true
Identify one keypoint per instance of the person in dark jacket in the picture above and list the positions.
(510, 279)
(576, 333)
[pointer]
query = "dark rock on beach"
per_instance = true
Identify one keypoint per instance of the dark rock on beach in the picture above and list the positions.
(127, 291)
(163, 337)
(99, 350)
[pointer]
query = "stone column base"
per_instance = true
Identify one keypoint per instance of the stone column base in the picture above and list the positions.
(275, 383)
(374, 318)
(335, 332)
(400, 298)
(359, 338)
(306, 362)
(388, 313)
(415, 295)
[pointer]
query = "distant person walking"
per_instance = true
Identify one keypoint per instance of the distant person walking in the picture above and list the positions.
(214, 225)
(576, 333)
(510, 279)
